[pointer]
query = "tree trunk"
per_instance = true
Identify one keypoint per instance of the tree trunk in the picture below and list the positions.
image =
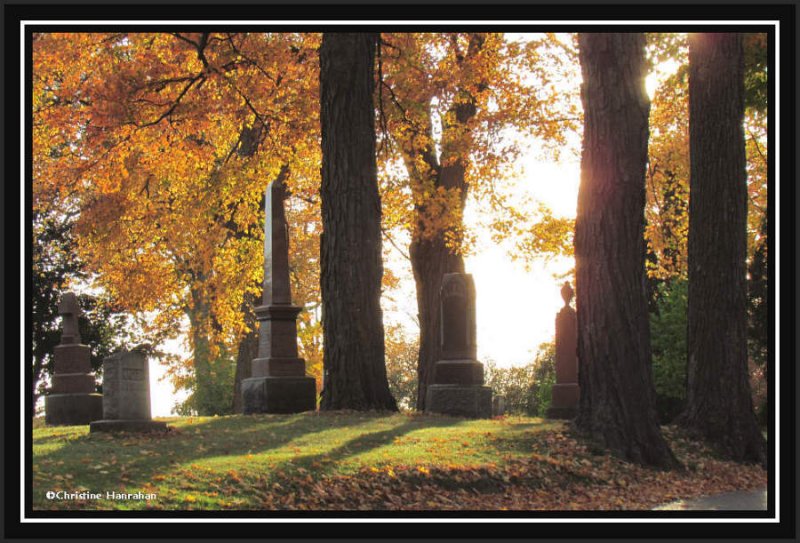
(248, 350)
(351, 265)
(617, 404)
(201, 352)
(38, 371)
(719, 405)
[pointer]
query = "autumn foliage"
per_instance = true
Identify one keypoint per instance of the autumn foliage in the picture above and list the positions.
(164, 142)
(161, 144)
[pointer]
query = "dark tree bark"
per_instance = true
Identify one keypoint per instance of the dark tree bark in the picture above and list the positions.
(719, 405)
(351, 256)
(617, 404)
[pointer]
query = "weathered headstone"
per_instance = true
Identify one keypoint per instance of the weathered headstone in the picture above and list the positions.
(126, 395)
(278, 383)
(498, 406)
(457, 387)
(566, 392)
(72, 398)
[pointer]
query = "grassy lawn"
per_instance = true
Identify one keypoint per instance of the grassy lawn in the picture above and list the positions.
(361, 461)
(205, 456)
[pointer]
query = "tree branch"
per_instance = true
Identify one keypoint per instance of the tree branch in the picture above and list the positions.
(200, 77)
(391, 240)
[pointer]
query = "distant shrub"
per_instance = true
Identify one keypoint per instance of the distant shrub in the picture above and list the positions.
(401, 367)
(668, 343)
(216, 397)
(527, 388)
(544, 378)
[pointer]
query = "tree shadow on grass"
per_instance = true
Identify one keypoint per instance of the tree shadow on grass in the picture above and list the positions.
(105, 461)
(281, 447)
(330, 460)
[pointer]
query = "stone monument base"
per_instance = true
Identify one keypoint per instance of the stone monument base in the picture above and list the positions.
(473, 402)
(565, 401)
(562, 413)
(458, 372)
(72, 409)
(278, 395)
(122, 425)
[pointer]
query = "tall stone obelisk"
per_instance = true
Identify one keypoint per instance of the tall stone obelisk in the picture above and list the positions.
(457, 387)
(279, 383)
(72, 398)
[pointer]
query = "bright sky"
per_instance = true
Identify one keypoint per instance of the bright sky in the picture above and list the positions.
(515, 308)
(162, 395)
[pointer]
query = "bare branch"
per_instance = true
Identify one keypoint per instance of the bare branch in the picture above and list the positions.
(391, 240)
(199, 77)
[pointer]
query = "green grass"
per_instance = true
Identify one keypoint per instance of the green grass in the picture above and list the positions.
(224, 462)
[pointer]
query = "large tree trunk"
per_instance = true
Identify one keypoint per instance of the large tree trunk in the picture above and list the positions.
(719, 405)
(617, 404)
(351, 262)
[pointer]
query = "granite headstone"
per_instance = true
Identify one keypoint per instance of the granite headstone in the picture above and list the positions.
(498, 405)
(126, 395)
(457, 387)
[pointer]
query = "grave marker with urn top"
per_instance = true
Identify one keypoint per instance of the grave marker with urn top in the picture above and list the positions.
(566, 392)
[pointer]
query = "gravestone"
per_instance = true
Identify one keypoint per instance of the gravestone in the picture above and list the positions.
(278, 382)
(566, 392)
(498, 405)
(457, 387)
(126, 395)
(72, 398)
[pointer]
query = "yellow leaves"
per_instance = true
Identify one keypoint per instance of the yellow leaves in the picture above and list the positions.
(233, 475)
(439, 210)
(179, 188)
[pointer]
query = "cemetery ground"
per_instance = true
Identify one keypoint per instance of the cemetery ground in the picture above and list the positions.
(366, 461)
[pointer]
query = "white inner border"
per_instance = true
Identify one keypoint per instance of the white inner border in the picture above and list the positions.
(776, 186)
